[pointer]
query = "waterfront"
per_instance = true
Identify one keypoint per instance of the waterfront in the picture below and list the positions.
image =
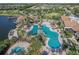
(6, 24)
(39, 29)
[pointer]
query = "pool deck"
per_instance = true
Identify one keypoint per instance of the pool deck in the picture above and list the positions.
(59, 38)
(19, 44)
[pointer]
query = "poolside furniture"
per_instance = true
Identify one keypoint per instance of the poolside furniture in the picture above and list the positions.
(44, 53)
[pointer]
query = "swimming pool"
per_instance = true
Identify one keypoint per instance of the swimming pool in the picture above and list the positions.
(53, 37)
(17, 50)
(34, 30)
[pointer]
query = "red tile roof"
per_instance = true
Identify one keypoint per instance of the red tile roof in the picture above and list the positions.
(70, 23)
(21, 17)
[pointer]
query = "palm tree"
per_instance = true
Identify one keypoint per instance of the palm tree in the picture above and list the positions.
(73, 50)
(35, 46)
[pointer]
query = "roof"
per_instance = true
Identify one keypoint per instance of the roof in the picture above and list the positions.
(70, 23)
(21, 17)
(31, 16)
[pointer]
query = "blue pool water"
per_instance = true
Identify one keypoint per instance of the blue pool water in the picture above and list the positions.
(6, 24)
(17, 50)
(53, 37)
(34, 30)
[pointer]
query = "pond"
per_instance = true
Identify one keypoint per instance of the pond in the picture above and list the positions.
(6, 24)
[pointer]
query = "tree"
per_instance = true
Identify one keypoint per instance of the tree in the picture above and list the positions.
(68, 34)
(75, 11)
(4, 45)
(72, 50)
(35, 46)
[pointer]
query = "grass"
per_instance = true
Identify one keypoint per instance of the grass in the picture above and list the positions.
(9, 13)
(68, 34)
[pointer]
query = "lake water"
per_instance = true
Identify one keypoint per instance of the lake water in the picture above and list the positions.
(6, 24)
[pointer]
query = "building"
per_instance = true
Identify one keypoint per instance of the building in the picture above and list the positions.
(20, 19)
(71, 25)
